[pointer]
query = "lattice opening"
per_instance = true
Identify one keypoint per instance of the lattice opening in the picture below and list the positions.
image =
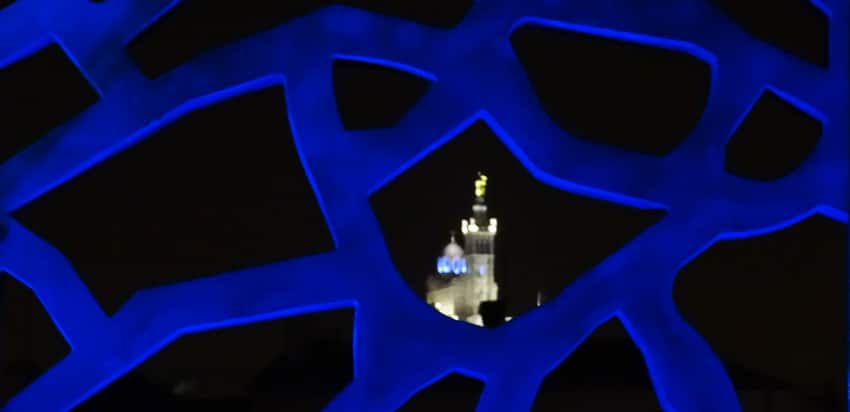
(296, 364)
(370, 95)
(799, 27)
(529, 269)
(220, 189)
(773, 140)
(454, 392)
(605, 373)
(31, 344)
(644, 96)
(773, 307)
(40, 91)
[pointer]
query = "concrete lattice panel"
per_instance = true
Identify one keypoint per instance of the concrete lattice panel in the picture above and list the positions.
(477, 77)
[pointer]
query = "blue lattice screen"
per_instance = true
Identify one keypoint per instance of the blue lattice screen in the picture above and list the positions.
(477, 77)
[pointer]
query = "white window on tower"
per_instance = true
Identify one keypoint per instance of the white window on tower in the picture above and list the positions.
(481, 270)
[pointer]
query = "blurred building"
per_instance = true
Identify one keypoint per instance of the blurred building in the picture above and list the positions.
(465, 276)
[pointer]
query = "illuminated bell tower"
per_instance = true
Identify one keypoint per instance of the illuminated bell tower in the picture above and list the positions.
(479, 233)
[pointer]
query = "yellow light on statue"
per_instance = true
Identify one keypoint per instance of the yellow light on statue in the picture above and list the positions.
(481, 186)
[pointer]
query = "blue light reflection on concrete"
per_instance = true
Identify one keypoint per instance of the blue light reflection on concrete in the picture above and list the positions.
(401, 351)
(388, 64)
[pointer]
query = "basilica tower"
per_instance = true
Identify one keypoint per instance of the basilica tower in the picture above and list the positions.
(466, 275)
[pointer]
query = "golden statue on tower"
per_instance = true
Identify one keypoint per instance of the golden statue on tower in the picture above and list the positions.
(481, 185)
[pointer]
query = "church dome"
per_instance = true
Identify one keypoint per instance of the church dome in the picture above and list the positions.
(453, 250)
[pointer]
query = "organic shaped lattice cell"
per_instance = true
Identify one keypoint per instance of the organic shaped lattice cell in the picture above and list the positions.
(147, 226)
(640, 94)
(521, 213)
(31, 342)
(801, 27)
(296, 363)
(774, 138)
(371, 94)
(41, 89)
(606, 362)
(454, 392)
(772, 307)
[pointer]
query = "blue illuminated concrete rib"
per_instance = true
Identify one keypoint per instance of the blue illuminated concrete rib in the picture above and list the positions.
(287, 288)
(684, 358)
(141, 327)
(414, 71)
(679, 358)
(103, 129)
(701, 155)
(411, 372)
(741, 233)
(651, 327)
(54, 281)
(75, 146)
(438, 111)
(87, 29)
(282, 49)
(135, 103)
(546, 145)
(441, 114)
(17, 23)
(564, 156)
(68, 382)
(630, 272)
(519, 154)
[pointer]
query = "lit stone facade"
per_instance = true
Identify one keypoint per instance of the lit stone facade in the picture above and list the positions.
(465, 276)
